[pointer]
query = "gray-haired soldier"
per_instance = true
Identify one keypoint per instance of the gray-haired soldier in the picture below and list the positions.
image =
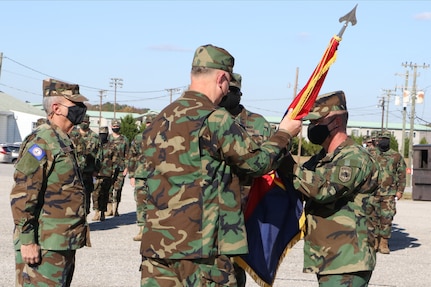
(48, 198)
(193, 218)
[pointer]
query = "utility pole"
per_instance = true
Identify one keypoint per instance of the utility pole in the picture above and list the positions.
(116, 82)
(101, 92)
(388, 95)
(405, 90)
(171, 91)
(412, 112)
(295, 91)
(1, 61)
(382, 105)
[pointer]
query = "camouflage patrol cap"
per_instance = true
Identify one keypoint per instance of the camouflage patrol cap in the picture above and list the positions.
(214, 57)
(86, 118)
(386, 134)
(115, 123)
(236, 81)
(40, 121)
(103, 130)
(149, 118)
(52, 88)
(326, 103)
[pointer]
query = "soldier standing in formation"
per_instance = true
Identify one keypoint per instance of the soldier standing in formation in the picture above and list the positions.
(258, 128)
(120, 145)
(393, 183)
(140, 189)
(40, 121)
(87, 144)
(340, 183)
(48, 198)
(194, 220)
(104, 175)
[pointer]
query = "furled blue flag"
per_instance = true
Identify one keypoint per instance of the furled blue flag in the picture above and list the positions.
(274, 220)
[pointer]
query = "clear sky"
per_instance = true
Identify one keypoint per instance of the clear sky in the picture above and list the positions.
(150, 45)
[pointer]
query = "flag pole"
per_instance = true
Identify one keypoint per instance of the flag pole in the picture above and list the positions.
(303, 102)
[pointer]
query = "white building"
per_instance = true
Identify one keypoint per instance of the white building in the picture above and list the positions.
(361, 129)
(17, 118)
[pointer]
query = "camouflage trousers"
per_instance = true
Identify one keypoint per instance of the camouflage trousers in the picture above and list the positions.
(216, 271)
(141, 190)
(87, 178)
(56, 269)
(101, 193)
(385, 214)
(117, 187)
(355, 279)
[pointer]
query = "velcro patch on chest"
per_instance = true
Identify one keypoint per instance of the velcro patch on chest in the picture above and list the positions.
(37, 152)
(345, 173)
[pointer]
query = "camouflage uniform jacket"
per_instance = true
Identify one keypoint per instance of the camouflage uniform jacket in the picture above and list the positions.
(105, 160)
(193, 209)
(340, 187)
(256, 125)
(47, 199)
(86, 144)
(259, 129)
(121, 150)
(393, 172)
(134, 152)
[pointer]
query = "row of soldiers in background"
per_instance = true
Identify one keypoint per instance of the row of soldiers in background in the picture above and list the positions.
(102, 159)
(392, 184)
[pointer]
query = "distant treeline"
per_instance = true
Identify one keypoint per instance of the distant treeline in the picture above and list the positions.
(109, 107)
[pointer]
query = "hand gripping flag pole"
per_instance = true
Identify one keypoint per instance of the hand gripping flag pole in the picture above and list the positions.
(305, 99)
(274, 216)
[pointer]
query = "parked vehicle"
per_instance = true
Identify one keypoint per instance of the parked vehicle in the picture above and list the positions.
(14, 149)
(5, 154)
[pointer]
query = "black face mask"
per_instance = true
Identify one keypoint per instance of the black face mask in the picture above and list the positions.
(76, 113)
(103, 137)
(230, 101)
(116, 130)
(317, 134)
(383, 144)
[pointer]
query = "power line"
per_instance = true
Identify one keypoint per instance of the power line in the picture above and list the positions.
(82, 86)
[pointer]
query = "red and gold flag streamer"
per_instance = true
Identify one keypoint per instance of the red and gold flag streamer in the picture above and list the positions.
(304, 101)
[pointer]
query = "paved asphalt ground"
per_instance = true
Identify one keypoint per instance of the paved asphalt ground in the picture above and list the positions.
(113, 260)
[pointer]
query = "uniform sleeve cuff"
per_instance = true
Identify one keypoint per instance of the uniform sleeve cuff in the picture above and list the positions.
(27, 238)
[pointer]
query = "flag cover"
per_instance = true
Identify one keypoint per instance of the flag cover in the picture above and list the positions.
(274, 220)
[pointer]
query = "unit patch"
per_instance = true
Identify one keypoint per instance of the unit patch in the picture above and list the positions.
(345, 174)
(37, 152)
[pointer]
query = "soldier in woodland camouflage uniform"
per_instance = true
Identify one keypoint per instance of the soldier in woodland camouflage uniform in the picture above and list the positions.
(40, 122)
(393, 183)
(339, 183)
(120, 144)
(194, 220)
(87, 143)
(104, 175)
(140, 190)
(48, 198)
(257, 128)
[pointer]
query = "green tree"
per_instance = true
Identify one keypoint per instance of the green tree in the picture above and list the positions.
(423, 141)
(357, 139)
(309, 149)
(129, 127)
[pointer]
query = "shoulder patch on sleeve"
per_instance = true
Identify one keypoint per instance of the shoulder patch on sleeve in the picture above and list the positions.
(37, 152)
(345, 173)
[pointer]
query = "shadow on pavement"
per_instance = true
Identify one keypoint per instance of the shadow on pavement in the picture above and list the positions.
(112, 222)
(401, 240)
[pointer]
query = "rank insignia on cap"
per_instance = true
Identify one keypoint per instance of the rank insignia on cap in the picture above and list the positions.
(36, 151)
(345, 174)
